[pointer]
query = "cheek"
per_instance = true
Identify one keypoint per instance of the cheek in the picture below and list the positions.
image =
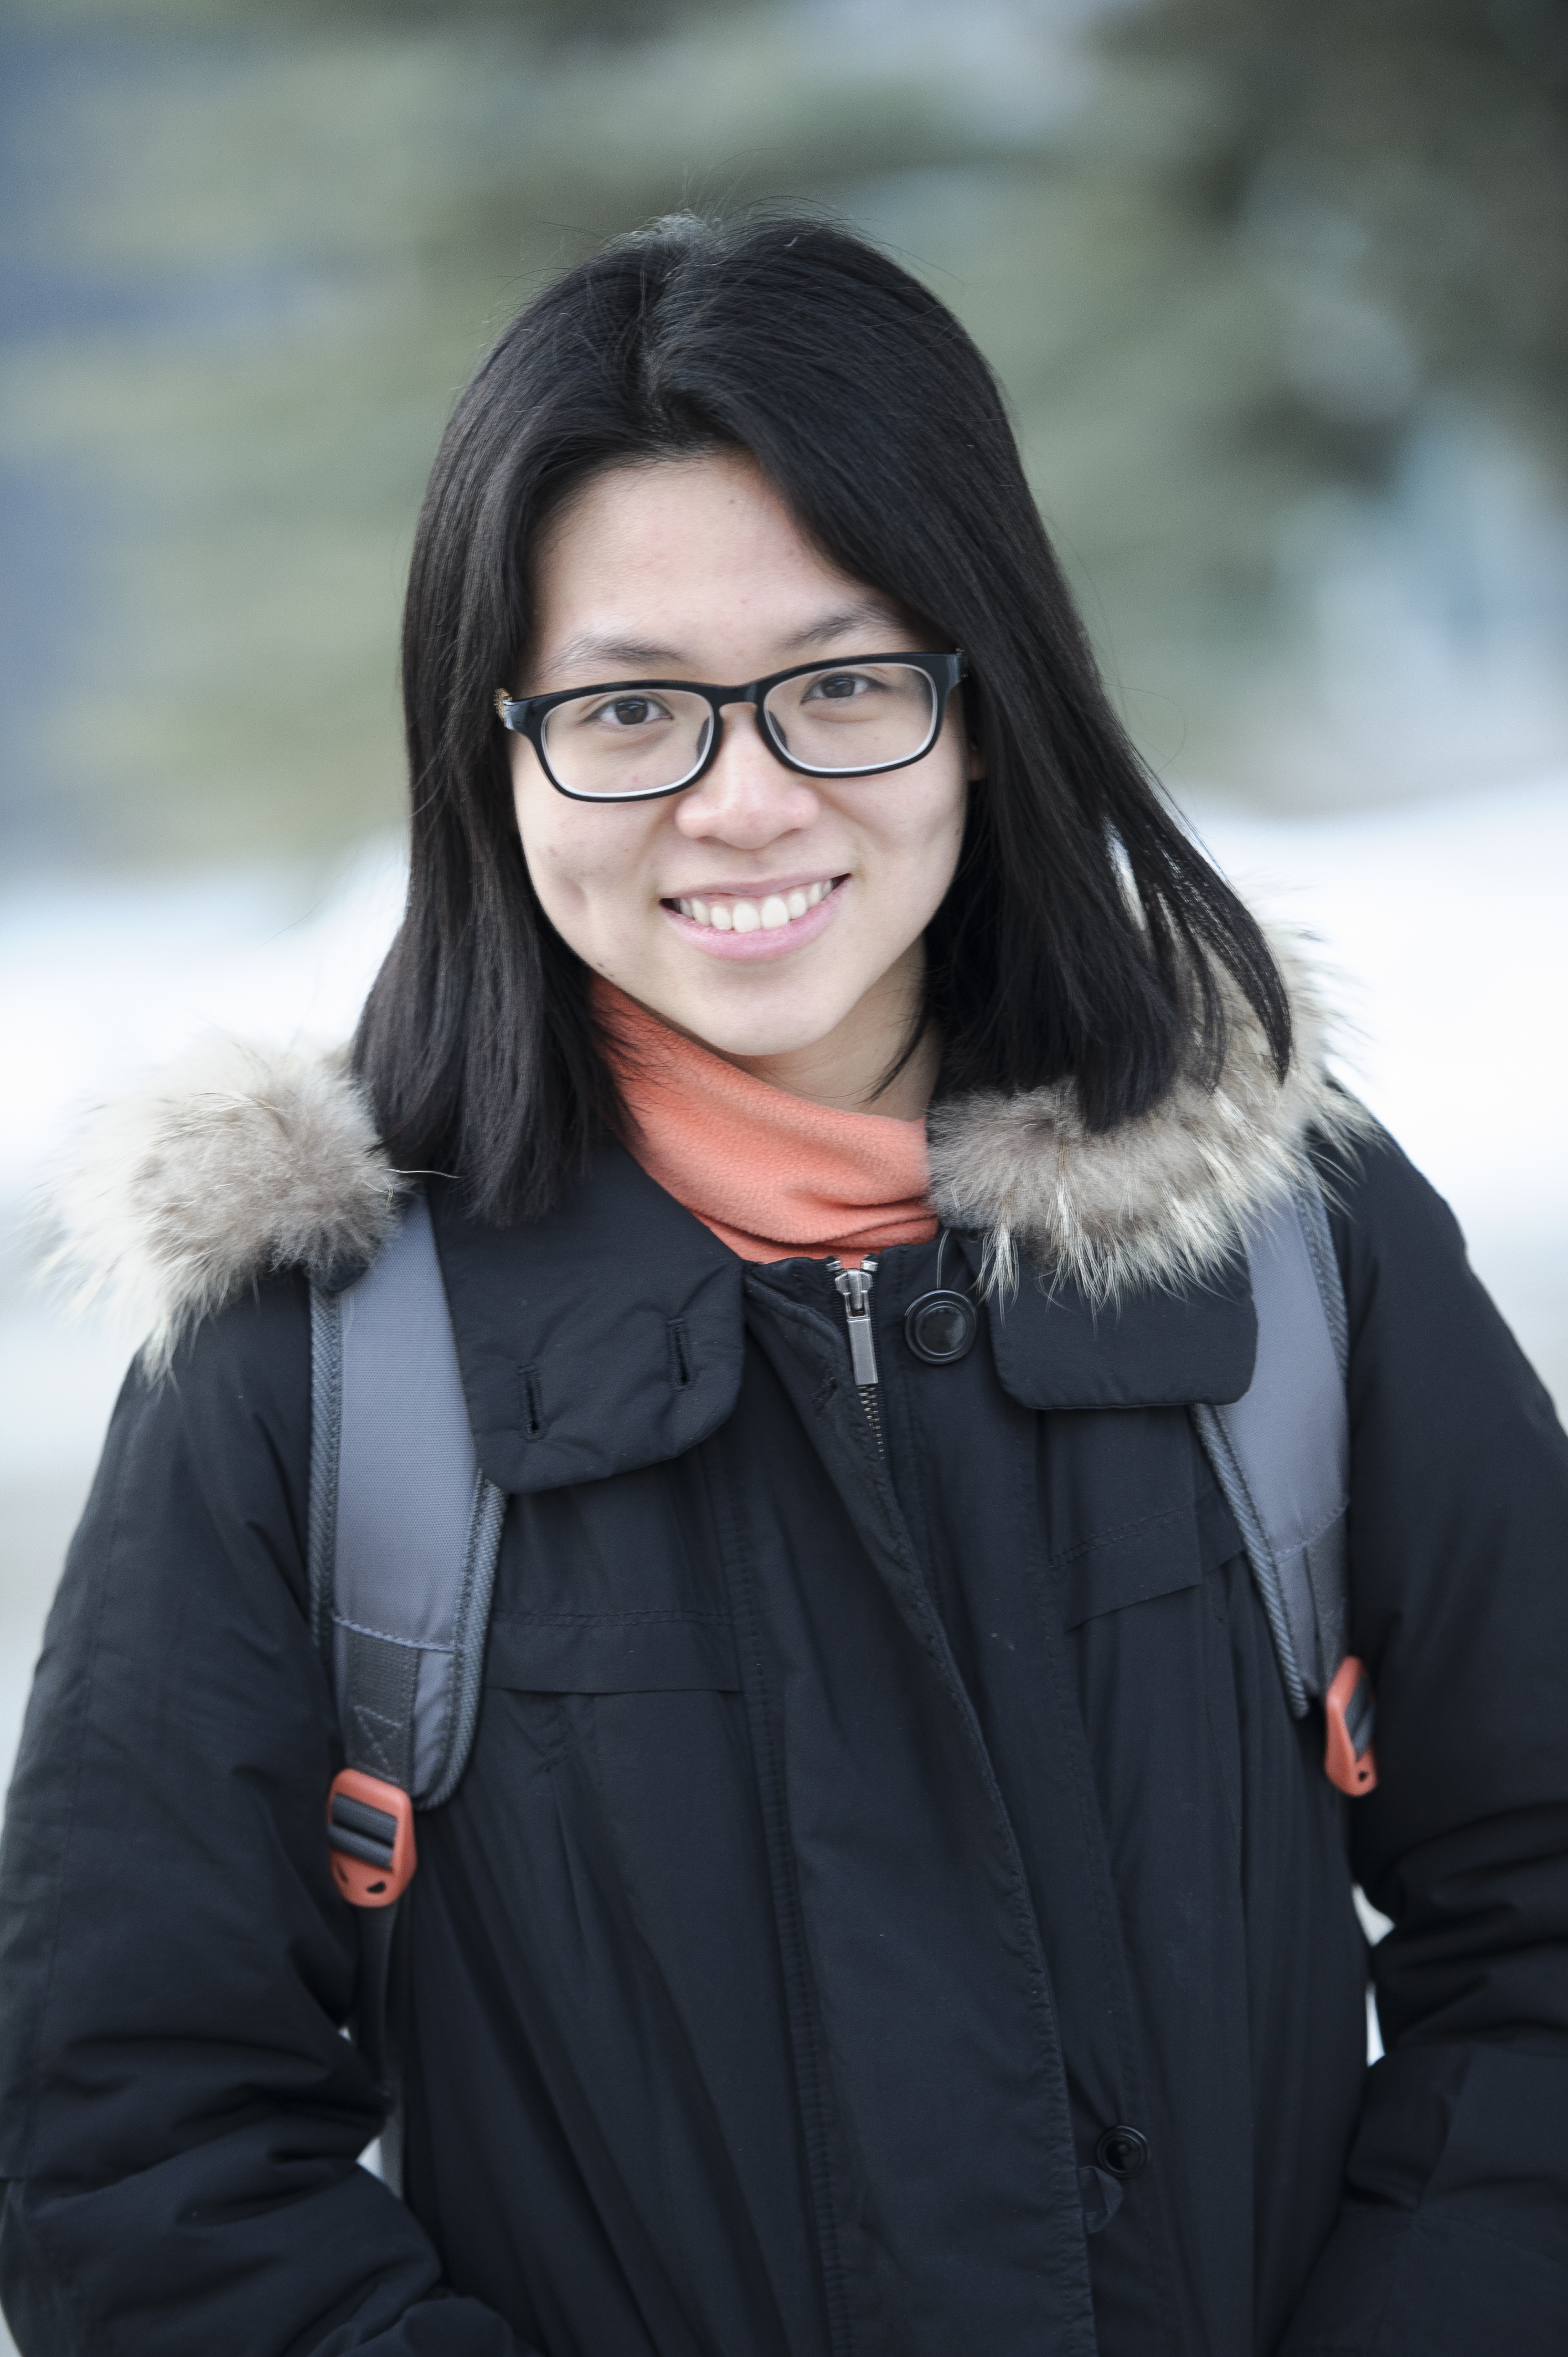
(584, 862)
(924, 825)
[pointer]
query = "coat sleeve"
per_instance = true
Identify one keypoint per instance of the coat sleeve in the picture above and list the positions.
(1453, 2234)
(180, 2116)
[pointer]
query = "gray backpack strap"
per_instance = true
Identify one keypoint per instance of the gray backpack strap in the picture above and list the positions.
(404, 1528)
(404, 1533)
(1281, 1454)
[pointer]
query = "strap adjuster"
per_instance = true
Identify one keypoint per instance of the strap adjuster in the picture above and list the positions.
(1352, 1711)
(369, 1831)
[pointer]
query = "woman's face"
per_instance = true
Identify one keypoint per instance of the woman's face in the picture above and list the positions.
(694, 568)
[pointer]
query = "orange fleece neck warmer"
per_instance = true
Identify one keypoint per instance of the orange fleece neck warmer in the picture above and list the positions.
(771, 1175)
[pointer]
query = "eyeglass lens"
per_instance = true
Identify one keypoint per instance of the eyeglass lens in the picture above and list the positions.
(644, 741)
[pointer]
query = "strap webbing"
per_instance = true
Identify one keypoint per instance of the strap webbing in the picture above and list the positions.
(377, 1698)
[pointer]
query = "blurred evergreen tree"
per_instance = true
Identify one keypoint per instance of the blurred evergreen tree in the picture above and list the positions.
(1409, 154)
(1221, 251)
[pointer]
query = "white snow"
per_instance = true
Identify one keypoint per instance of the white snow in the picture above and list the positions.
(1447, 927)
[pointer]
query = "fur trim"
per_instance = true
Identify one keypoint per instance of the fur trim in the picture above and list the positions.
(237, 1164)
(1156, 1202)
(240, 1163)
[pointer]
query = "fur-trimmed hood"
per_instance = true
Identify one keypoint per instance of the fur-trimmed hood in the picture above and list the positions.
(240, 1163)
(1154, 1202)
(236, 1163)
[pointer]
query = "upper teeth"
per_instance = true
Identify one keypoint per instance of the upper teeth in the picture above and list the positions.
(734, 916)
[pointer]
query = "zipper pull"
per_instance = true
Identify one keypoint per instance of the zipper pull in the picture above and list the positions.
(855, 1284)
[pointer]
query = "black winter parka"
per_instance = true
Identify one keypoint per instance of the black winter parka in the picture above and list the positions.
(851, 1839)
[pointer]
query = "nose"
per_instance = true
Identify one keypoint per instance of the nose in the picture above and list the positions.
(747, 798)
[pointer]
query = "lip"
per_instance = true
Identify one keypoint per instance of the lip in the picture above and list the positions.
(755, 887)
(781, 941)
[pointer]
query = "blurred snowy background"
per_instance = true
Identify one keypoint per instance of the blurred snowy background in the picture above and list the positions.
(1279, 299)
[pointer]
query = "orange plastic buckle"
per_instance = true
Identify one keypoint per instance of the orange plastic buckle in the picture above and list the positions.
(370, 1830)
(1349, 1760)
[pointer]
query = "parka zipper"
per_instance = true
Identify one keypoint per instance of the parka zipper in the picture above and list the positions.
(854, 1285)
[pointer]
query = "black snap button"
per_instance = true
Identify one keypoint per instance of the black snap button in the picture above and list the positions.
(941, 1327)
(1123, 2152)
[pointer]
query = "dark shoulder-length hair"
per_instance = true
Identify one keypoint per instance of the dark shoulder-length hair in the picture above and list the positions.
(1083, 935)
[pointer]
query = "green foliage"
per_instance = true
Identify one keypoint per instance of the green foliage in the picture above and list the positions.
(1407, 153)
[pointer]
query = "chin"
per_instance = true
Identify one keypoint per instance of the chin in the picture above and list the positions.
(760, 1039)
(733, 1030)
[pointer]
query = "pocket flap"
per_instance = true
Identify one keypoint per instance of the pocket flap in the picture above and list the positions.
(1157, 1555)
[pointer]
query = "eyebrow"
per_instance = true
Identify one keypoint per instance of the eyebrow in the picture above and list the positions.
(594, 648)
(870, 610)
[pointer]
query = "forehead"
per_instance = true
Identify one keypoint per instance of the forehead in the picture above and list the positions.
(649, 511)
(648, 559)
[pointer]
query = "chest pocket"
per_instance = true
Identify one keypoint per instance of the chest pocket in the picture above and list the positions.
(612, 1588)
(1132, 1510)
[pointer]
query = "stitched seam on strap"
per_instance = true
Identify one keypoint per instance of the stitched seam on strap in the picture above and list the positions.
(1299, 1546)
(412, 1644)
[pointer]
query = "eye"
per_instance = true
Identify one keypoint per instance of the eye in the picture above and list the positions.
(629, 710)
(836, 687)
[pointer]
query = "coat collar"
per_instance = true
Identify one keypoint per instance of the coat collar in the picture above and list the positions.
(605, 1337)
(610, 1335)
(1056, 1346)
(239, 1165)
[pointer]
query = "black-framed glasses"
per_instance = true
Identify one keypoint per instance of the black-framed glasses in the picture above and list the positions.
(637, 739)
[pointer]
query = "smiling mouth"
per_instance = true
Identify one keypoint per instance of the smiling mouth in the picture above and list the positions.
(730, 912)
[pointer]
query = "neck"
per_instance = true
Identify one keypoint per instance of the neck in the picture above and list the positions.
(845, 1069)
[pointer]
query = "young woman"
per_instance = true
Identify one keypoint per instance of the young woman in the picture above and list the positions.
(891, 1908)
